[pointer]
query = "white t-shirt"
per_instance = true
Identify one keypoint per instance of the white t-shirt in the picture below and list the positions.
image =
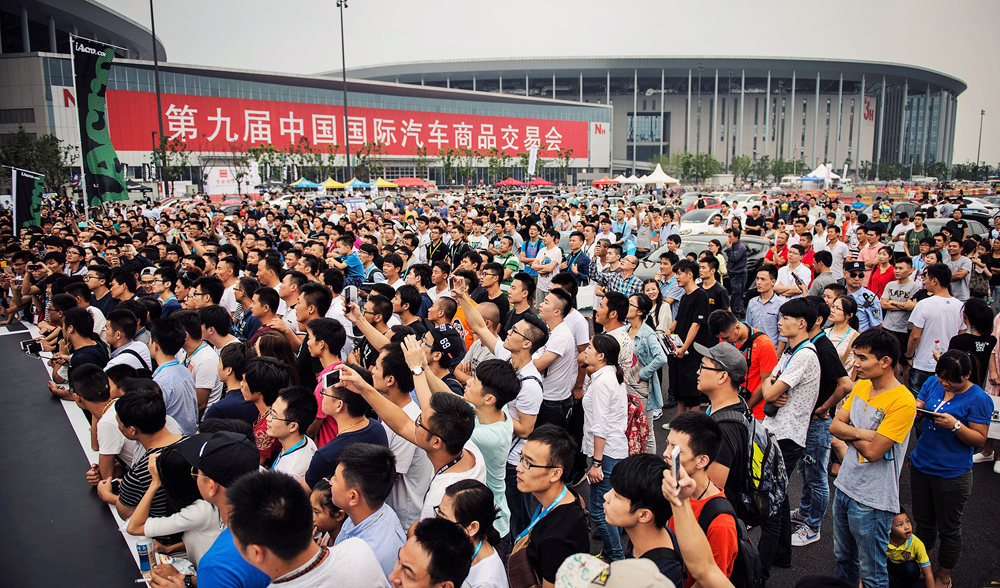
(941, 319)
(336, 311)
(901, 244)
(111, 441)
(839, 251)
(785, 277)
(297, 461)
(528, 401)
(440, 482)
(350, 563)
(548, 255)
(489, 573)
(560, 377)
(291, 320)
(199, 521)
(406, 497)
(433, 293)
(204, 368)
(399, 282)
(229, 299)
(578, 324)
(100, 323)
(800, 372)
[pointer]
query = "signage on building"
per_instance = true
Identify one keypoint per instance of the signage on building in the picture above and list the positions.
(224, 124)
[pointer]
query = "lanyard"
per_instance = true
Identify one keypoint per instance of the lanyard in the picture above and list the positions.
(449, 464)
(573, 259)
(628, 287)
(166, 365)
(540, 515)
(433, 250)
(476, 552)
(294, 447)
(190, 358)
(814, 339)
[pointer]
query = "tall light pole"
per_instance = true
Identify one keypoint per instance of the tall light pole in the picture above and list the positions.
(697, 148)
(982, 113)
(342, 4)
(159, 105)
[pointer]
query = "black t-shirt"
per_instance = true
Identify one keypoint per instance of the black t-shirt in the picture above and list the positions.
(307, 365)
(419, 328)
(694, 308)
(733, 449)
(956, 227)
(830, 367)
(503, 305)
(993, 264)
(512, 319)
(718, 298)
(560, 534)
(980, 347)
(754, 226)
(105, 305)
(669, 562)
(97, 353)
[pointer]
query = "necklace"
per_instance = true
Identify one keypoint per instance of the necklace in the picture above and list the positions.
(262, 417)
(355, 425)
(323, 552)
(107, 406)
(707, 486)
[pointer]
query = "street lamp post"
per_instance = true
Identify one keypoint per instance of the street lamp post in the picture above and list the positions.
(159, 105)
(697, 148)
(342, 4)
(982, 113)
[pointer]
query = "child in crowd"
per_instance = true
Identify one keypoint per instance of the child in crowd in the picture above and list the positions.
(327, 518)
(907, 555)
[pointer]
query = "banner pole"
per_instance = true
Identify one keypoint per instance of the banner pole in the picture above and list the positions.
(13, 197)
(83, 162)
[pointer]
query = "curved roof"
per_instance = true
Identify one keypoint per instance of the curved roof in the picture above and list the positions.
(91, 20)
(651, 66)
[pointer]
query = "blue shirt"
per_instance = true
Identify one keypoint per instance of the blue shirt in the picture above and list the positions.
(671, 290)
(169, 306)
(355, 269)
(324, 461)
(869, 308)
(382, 532)
(530, 249)
(939, 452)
(764, 316)
(233, 406)
(222, 566)
(177, 385)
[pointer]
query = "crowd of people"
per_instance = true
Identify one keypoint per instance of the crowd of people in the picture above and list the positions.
(307, 395)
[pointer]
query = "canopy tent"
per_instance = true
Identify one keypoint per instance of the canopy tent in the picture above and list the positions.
(632, 179)
(540, 182)
(304, 183)
(356, 183)
(605, 181)
(620, 178)
(820, 172)
(510, 182)
(659, 177)
(332, 184)
(413, 183)
(383, 183)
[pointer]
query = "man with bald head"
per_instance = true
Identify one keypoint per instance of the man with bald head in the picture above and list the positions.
(477, 351)
(624, 281)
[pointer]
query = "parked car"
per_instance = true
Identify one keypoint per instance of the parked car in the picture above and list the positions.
(649, 266)
(699, 221)
(975, 227)
(689, 201)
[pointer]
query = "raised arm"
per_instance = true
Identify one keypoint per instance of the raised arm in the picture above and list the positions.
(476, 321)
(390, 414)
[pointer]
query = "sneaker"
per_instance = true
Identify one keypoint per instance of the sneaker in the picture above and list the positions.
(665, 426)
(980, 458)
(996, 467)
(804, 536)
(659, 413)
(574, 481)
(670, 403)
(797, 517)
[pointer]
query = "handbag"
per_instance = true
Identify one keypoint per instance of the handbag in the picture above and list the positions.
(979, 285)
(520, 573)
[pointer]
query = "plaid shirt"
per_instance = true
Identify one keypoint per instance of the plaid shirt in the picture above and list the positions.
(615, 282)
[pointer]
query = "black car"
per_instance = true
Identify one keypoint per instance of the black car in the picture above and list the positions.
(757, 247)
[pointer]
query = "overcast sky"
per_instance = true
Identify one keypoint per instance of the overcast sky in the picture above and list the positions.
(303, 36)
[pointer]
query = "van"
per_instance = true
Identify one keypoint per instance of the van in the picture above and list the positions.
(789, 181)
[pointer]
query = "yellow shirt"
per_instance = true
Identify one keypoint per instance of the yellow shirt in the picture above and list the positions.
(890, 413)
(912, 550)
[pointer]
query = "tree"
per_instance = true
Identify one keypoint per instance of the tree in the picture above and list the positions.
(494, 164)
(762, 168)
(45, 155)
(368, 163)
(237, 159)
(705, 166)
(449, 159)
(468, 161)
(741, 166)
(563, 157)
(172, 157)
(267, 158)
(421, 161)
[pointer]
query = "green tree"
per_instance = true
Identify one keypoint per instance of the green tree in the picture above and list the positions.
(449, 162)
(467, 163)
(705, 165)
(237, 158)
(563, 158)
(369, 164)
(762, 168)
(494, 163)
(45, 155)
(421, 161)
(172, 158)
(741, 166)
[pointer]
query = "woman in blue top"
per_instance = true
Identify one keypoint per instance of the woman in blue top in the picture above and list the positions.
(651, 358)
(941, 474)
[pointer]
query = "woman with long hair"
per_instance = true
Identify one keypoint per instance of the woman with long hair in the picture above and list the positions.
(605, 416)
(882, 273)
(941, 463)
(660, 316)
(273, 344)
(194, 517)
(977, 340)
(651, 359)
(469, 504)
(844, 329)
(715, 249)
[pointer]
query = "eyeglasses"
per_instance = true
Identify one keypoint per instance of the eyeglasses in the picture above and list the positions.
(528, 465)
(708, 367)
(516, 332)
(491, 275)
(439, 514)
(194, 473)
(419, 423)
(272, 417)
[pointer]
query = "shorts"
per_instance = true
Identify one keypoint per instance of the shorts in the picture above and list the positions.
(684, 377)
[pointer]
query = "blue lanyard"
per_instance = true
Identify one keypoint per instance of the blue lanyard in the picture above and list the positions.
(166, 365)
(294, 447)
(190, 358)
(540, 515)
(476, 552)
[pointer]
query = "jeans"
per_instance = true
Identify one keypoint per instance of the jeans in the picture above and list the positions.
(995, 298)
(737, 286)
(775, 545)
(937, 510)
(555, 412)
(860, 534)
(518, 502)
(611, 535)
(903, 575)
(815, 485)
(917, 379)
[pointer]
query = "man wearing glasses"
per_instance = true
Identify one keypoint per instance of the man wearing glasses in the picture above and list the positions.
(869, 306)
(491, 290)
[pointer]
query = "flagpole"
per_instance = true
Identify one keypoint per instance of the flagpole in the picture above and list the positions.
(13, 197)
(83, 163)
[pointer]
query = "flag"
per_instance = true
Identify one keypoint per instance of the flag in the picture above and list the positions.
(27, 188)
(104, 177)
(532, 159)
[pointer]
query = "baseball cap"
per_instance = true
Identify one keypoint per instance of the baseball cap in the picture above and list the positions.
(854, 266)
(222, 456)
(449, 343)
(584, 571)
(728, 357)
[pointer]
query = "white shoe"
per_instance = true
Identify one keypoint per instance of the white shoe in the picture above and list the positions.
(996, 467)
(980, 458)
(804, 536)
(659, 413)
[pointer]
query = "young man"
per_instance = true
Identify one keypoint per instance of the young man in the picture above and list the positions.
(935, 319)
(875, 423)
(839, 251)
(758, 353)
(406, 305)
(290, 416)
(264, 308)
(325, 340)
(228, 270)
(392, 269)
(491, 291)
(263, 378)
(577, 263)
(899, 232)
(795, 277)
(360, 485)
(667, 282)
(824, 274)
(92, 393)
(690, 322)
(869, 309)
(216, 325)
(521, 296)
(175, 381)
(777, 255)
(558, 361)
(121, 340)
(897, 300)
(793, 388)
(699, 437)
(529, 250)
(718, 297)
(272, 527)
(436, 250)
(508, 259)
(437, 553)
(737, 254)
(245, 327)
(546, 262)
(289, 290)
(200, 358)
(98, 279)
(439, 279)
(163, 288)
(233, 360)
(122, 286)
(961, 269)
(636, 504)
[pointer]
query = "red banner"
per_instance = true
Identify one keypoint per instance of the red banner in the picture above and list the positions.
(213, 124)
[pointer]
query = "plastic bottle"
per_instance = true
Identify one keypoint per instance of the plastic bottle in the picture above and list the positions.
(938, 347)
(144, 548)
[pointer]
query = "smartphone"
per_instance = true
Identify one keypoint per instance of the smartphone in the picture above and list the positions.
(31, 347)
(926, 412)
(675, 463)
(453, 282)
(331, 379)
(81, 225)
(351, 293)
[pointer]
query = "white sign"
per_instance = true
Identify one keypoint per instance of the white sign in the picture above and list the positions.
(532, 159)
(222, 180)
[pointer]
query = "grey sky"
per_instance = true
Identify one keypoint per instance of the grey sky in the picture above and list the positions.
(303, 36)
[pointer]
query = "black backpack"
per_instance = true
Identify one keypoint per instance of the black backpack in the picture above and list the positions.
(746, 568)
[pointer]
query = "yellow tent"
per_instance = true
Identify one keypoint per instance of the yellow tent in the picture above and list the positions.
(381, 183)
(330, 183)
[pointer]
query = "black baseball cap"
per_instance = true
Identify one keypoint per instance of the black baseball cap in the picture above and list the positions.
(223, 456)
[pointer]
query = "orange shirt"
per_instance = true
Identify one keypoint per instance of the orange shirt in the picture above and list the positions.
(721, 536)
(463, 327)
(762, 361)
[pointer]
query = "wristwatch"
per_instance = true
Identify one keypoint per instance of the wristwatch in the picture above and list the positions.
(417, 370)
(188, 581)
(958, 425)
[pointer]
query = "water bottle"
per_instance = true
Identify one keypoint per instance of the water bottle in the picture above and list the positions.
(938, 347)
(144, 547)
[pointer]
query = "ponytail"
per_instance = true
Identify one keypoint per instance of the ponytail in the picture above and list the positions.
(608, 346)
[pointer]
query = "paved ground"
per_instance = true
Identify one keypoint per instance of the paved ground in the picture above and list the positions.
(980, 563)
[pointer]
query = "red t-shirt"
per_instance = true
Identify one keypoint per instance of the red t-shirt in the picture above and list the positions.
(783, 254)
(880, 279)
(763, 359)
(721, 537)
(328, 430)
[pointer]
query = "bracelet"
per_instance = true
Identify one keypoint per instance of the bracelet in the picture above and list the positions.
(598, 462)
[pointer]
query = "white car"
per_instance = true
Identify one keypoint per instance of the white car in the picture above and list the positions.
(699, 222)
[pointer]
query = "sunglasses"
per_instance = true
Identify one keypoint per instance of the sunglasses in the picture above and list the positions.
(855, 274)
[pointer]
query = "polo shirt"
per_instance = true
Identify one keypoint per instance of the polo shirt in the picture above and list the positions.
(324, 461)
(381, 531)
(179, 394)
(764, 316)
(222, 566)
(233, 406)
(939, 452)
(912, 550)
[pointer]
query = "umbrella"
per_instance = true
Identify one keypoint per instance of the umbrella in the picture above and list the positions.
(540, 182)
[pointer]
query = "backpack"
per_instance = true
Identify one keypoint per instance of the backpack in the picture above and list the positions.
(765, 482)
(637, 427)
(747, 567)
(747, 350)
(145, 372)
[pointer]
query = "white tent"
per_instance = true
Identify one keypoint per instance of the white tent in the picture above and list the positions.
(820, 172)
(659, 177)
(621, 178)
(632, 179)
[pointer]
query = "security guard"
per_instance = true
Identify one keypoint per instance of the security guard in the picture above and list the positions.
(869, 307)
